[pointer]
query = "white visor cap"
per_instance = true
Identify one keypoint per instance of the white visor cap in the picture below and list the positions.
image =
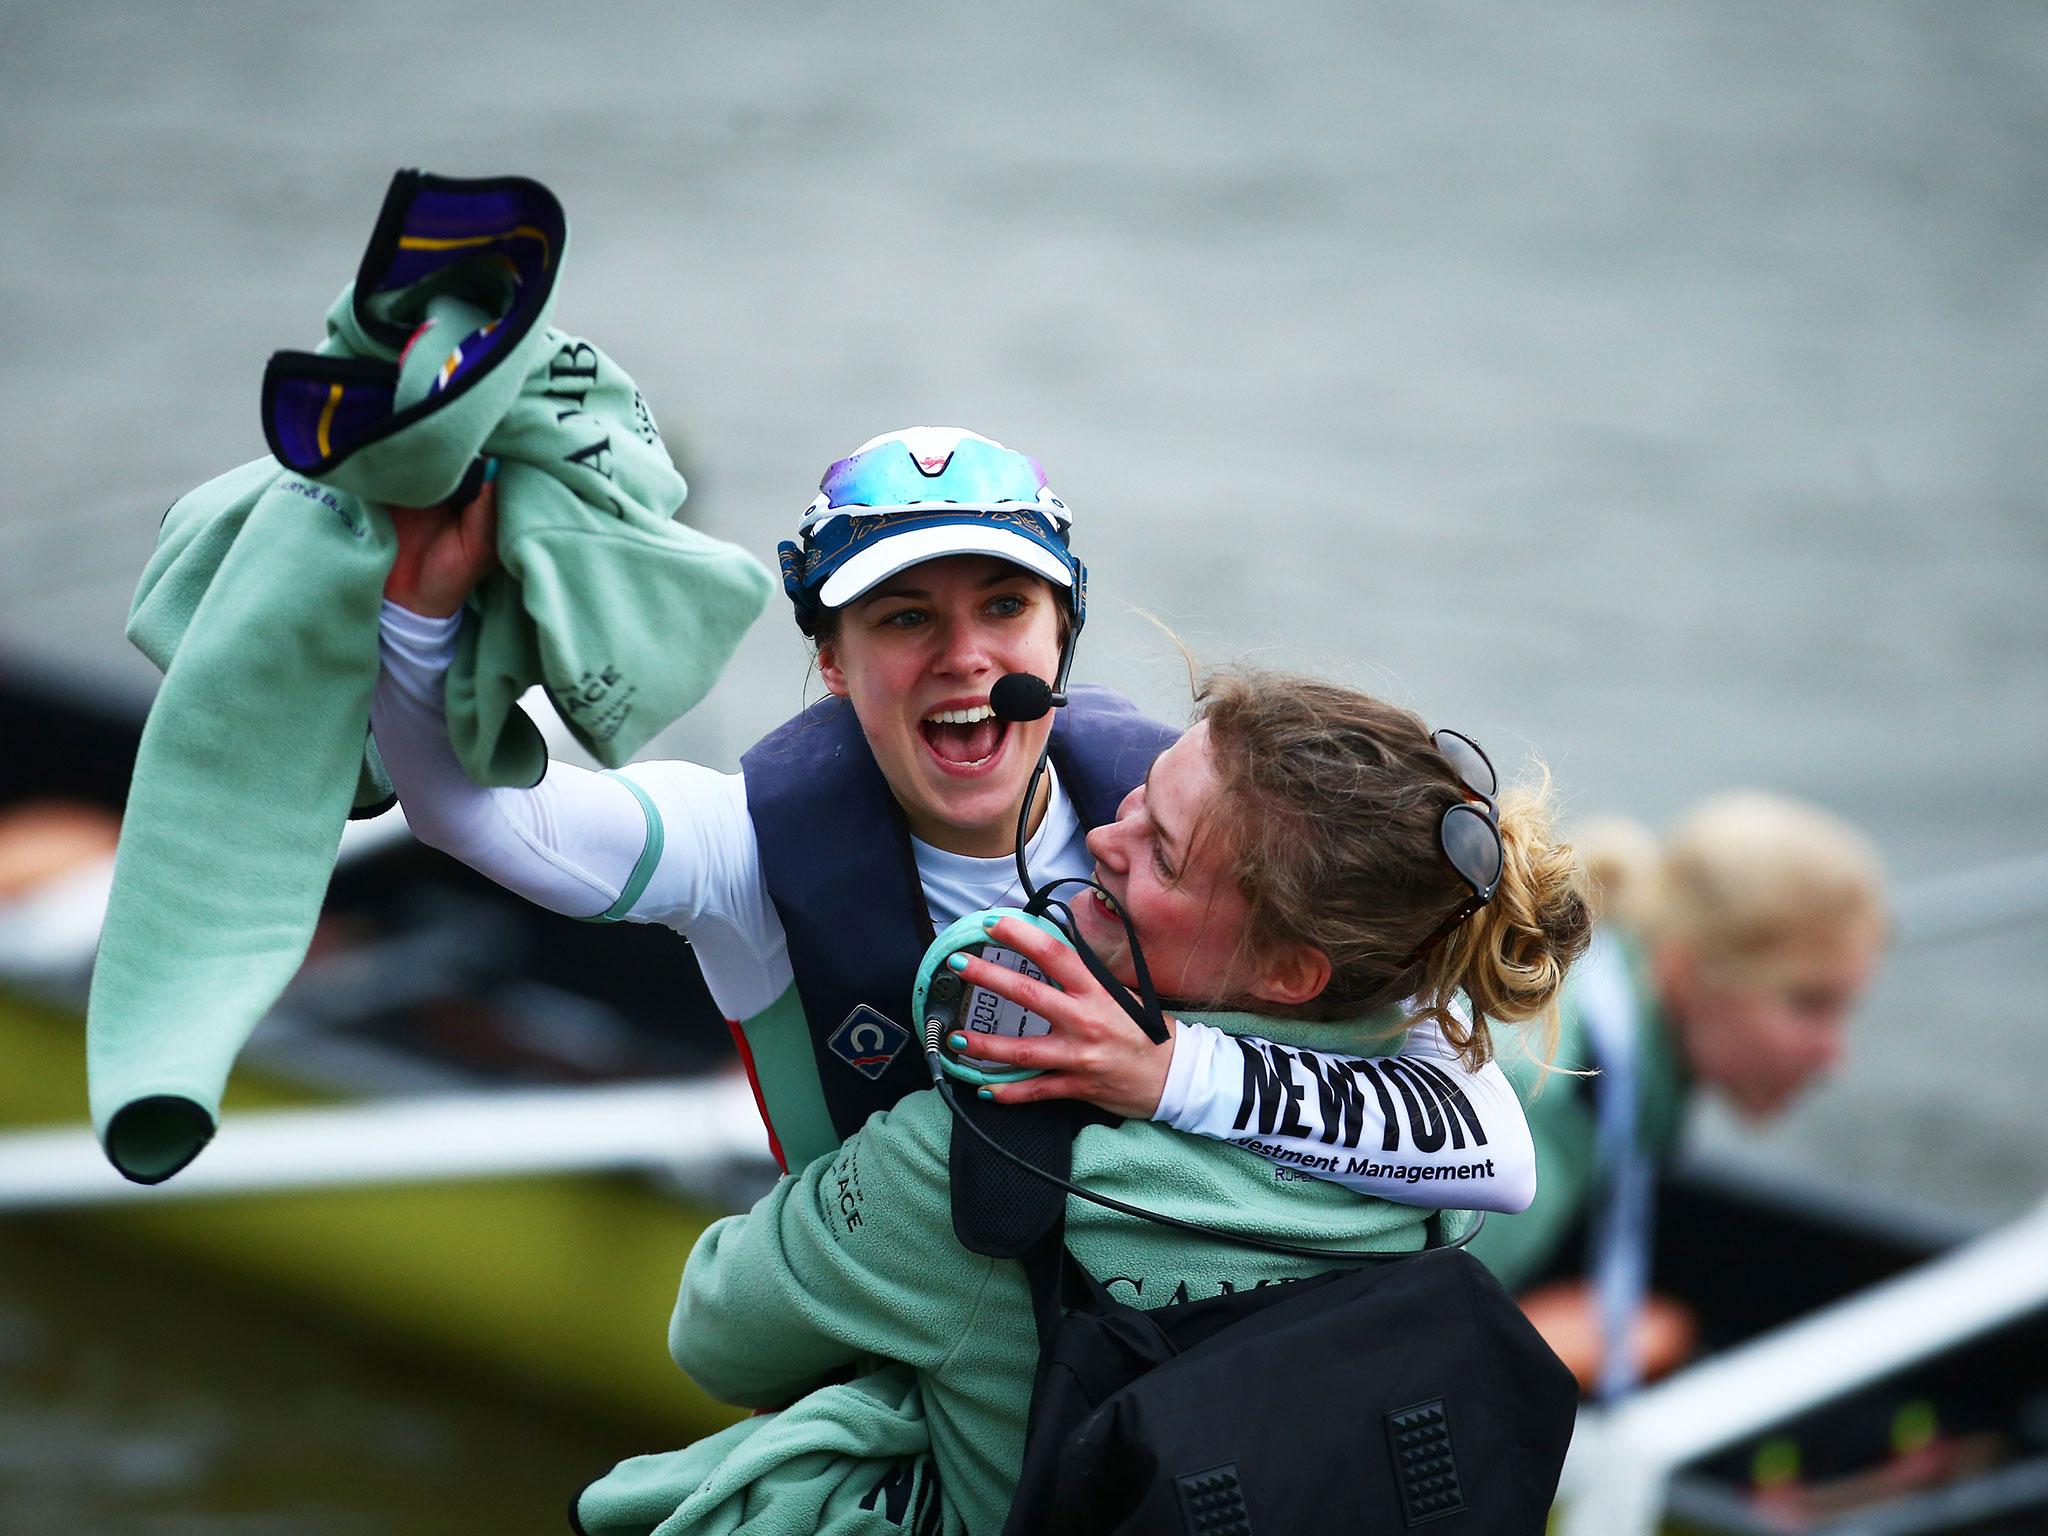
(913, 546)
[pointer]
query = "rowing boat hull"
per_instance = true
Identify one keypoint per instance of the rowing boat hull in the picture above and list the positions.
(559, 1287)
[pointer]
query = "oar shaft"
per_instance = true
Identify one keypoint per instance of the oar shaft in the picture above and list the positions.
(486, 1134)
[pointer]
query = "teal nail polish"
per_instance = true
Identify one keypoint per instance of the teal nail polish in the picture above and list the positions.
(984, 1093)
(989, 923)
(956, 962)
(958, 1042)
(490, 470)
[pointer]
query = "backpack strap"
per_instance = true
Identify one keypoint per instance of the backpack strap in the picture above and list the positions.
(998, 1208)
(1062, 1284)
(1045, 1264)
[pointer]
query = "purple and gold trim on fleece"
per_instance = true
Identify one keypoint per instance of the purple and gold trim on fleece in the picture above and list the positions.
(318, 410)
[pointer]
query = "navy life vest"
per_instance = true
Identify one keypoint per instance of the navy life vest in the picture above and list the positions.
(836, 856)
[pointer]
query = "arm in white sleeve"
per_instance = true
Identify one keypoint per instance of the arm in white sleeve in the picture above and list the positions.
(571, 843)
(1419, 1128)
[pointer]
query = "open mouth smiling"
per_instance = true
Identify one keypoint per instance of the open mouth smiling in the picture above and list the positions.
(1105, 909)
(964, 737)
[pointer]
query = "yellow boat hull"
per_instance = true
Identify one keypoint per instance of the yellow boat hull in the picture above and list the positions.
(559, 1287)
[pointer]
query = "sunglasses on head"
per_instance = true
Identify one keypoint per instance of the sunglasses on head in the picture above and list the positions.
(1469, 832)
(974, 473)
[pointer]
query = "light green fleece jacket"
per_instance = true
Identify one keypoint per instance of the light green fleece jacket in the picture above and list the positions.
(261, 606)
(1564, 1122)
(854, 1257)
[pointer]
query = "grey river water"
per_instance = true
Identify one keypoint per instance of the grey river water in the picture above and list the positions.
(150, 1401)
(1661, 388)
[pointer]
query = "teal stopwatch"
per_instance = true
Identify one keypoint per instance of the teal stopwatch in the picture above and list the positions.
(944, 1004)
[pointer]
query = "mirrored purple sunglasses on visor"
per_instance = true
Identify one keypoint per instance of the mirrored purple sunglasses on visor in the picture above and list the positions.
(897, 473)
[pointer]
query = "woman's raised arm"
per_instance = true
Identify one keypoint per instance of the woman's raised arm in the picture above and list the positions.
(569, 843)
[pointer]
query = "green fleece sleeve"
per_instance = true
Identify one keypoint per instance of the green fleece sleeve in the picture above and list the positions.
(850, 1257)
(1518, 1247)
(261, 606)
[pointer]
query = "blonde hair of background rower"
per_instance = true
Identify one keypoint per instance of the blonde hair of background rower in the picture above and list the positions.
(1760, 920)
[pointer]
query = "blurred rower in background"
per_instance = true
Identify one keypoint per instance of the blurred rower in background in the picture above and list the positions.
(1730, 957)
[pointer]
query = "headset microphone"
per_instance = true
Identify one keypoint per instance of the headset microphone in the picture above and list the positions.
(1019, 696)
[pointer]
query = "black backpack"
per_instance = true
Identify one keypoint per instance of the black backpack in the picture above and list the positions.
(1373, 1399)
